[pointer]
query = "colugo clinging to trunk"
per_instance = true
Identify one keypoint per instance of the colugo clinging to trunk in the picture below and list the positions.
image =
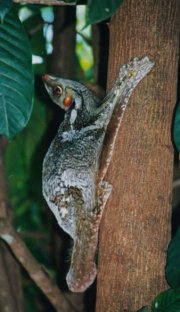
(72, 186)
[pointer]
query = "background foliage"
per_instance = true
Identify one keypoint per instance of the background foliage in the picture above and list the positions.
(26, 150)
(176, 128)
(16, 83)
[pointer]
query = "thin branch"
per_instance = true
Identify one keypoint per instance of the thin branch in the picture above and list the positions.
(45, 2)
(34, 269)
(35, 235)
(21, 252)
(85, 38)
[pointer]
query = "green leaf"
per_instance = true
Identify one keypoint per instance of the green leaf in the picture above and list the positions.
(16, 83)
(5, 6)
(173, 262)
(167, 301)
(176, 130)
(99, 10)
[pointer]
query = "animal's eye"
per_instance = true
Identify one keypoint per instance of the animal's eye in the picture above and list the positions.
(57, 90)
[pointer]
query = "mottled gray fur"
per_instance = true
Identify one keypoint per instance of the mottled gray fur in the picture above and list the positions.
(70, 169)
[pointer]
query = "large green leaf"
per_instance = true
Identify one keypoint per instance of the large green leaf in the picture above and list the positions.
(176, 129)
(5, 6)
(98, 10)
(173, 262)
(16, 78)
(167, 301)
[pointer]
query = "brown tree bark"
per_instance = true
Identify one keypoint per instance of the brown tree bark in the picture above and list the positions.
(10, 281)
(135, 228)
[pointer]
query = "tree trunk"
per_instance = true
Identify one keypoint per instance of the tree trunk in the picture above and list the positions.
(11, 291)
(135, 228)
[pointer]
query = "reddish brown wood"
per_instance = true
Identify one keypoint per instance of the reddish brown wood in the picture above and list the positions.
(135, 228)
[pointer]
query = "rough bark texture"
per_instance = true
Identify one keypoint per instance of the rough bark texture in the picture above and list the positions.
(135, 228)
(11, 292)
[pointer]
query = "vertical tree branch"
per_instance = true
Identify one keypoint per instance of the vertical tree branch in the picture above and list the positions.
(100, 41)
(135, 228)
(62, 61)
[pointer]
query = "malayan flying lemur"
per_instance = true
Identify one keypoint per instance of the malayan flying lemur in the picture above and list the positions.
(74, 190)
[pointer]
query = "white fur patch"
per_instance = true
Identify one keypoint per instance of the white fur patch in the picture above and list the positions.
(63, 212)
(73, 116)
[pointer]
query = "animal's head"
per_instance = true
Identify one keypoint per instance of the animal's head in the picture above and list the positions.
(70, 94)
